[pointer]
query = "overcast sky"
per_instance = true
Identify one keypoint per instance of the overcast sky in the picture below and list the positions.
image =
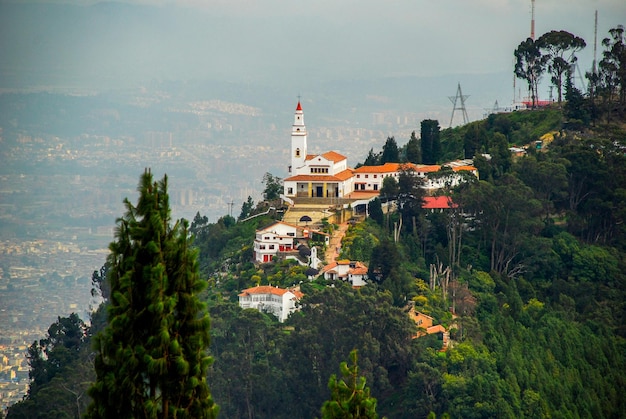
(273, 40)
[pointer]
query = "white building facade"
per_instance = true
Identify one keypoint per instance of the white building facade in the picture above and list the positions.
(352, 271)
(277, 301)
(278, 237)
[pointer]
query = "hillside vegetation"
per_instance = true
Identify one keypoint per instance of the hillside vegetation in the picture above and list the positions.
(534, 295)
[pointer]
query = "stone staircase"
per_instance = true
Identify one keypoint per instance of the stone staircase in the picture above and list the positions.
(315, 211)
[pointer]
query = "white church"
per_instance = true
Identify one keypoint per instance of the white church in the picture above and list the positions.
(315, 176)
(328, 175)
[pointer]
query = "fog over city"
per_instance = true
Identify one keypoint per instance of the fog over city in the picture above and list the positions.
(92, 92)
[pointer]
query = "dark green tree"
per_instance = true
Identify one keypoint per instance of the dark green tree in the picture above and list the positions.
(246, 209)
(372, 159)
(273, 187)
(529, 66)
(376, 211)
(151, 360)
(560, 48)
(430, 145)
(390, 152)
(60, 347)
(410, 198)
(473, 140)
(613, 69)
(390, 188)
(350, 397)
(413, 151)
(576, 109)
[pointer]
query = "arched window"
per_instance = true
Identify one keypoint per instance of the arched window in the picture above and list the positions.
(297, 152)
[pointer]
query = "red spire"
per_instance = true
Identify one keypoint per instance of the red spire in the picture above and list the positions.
(299, 108)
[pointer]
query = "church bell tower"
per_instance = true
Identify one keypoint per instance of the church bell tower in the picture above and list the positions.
(298, 141)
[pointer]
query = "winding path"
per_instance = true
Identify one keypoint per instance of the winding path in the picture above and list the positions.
(335, 243)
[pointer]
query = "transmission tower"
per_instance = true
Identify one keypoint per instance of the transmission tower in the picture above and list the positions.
(460, 100)
(532, 20)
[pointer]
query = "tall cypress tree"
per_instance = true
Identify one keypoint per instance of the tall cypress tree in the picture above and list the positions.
(431, 148)
(151, 359)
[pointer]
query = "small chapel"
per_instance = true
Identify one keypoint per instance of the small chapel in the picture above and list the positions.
(315, 176)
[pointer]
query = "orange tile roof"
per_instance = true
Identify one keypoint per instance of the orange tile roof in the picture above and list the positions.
(355, 271)
(362, 194)
(268, 289)
(329, 155)
(339, 177)
(334, 156)
(436, 329)
(359, 271)
(427, 168)
(263, 289)
(460, 168)
(330, 267)
(385, 168)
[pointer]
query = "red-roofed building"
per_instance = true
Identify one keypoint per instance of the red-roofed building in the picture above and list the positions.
(278, 301)
(438, 203)
(346, 270)
(327, 175)
(277, 237)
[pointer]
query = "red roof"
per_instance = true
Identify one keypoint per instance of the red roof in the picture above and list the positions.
(299, 107)
(263, 289)
(461, 168)
(329, 155)
(341, 176)
(386, 168)
(438, 202)
(268, 289)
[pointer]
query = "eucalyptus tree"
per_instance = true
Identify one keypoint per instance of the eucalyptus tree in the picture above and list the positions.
(613, 67)
(560, 48)
(505, 214)
(529, 65)
(151, 359)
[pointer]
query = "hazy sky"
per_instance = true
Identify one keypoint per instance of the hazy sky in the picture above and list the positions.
(277, 40)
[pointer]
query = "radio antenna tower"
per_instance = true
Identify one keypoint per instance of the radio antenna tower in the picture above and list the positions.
(532, 20)
(595, 43)
(460, 99)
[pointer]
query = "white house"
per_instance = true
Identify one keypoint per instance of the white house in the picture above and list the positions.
(277, 301)
(370, 178)
(352, 271)
(277, 237)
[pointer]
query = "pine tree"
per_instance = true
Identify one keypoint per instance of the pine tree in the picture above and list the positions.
(413, 151)
(391, 154)
(350, 397)
(151, 359)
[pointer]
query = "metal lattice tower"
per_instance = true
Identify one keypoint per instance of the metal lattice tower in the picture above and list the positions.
(460, 100)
